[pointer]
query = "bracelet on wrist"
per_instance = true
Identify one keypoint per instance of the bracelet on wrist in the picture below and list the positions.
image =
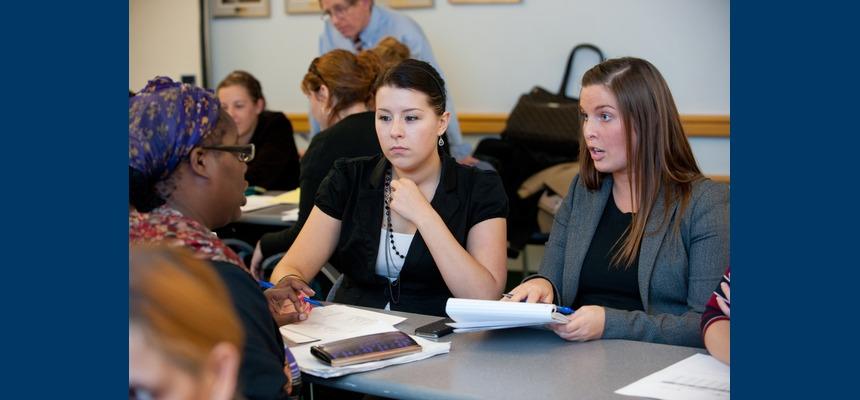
(295, 275)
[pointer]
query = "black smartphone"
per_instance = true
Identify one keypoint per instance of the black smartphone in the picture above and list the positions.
(435, 330)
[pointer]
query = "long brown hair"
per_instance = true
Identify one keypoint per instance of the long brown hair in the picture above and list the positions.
(348, 77)
(176, 300)
(662, 159)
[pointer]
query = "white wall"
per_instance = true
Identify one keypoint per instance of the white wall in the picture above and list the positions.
(493, 53)
(163, 39)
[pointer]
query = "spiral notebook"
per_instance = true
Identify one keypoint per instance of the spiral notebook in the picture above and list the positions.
(480, 315)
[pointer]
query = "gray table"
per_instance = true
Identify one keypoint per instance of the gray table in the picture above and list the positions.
(519, 363)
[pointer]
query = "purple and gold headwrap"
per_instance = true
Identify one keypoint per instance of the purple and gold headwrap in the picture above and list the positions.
(166, 120)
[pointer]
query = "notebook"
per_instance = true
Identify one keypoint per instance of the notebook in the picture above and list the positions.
(373, 347)
(479, 315)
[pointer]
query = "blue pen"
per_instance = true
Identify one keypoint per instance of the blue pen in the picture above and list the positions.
(313, 302)
(561, 309)
(266, 285)
(564, 310)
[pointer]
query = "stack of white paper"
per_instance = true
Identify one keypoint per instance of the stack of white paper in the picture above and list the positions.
(336, 322)
(256, 202)
(697, 377)
(478, 315)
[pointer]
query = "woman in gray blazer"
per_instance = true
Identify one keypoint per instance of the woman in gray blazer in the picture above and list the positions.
(642, 237)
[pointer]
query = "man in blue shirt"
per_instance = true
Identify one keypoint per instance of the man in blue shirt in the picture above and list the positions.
(360, 24)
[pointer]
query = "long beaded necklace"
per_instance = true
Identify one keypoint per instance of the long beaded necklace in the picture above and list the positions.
(392, 247)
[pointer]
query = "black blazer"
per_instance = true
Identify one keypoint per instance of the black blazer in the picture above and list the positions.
(353, 193)
(276, 163)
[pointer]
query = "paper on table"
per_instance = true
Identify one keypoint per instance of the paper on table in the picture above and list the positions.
(474, 315)
(291, 197)
(290, 215)
(311, 365)
(699, 376)
(256, 202)
(335, 322)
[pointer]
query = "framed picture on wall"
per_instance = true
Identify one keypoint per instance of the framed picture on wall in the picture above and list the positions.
(302, 7)
(240, 8)
(410, 3)
(484, 1)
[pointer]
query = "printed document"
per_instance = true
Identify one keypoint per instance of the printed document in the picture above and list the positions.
(335, 322)
(699, 377)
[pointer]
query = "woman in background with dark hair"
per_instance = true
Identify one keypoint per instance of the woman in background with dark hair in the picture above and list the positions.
(411, 227)
(276, 164)
(339, 86)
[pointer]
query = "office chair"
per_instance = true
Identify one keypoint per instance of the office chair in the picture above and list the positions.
(244, 250)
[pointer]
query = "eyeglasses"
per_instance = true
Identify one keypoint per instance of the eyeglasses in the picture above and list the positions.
(244, 152)
(338, 11)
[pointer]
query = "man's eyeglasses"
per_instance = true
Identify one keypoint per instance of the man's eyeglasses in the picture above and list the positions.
(337, 11)
(244, 152)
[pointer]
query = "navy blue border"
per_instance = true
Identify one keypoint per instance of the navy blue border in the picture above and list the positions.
(65, 251)
(794, 90)
(794, 224)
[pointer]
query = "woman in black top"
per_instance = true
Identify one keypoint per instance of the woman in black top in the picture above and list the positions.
(338, 85)
(276, 163)
(411, 228)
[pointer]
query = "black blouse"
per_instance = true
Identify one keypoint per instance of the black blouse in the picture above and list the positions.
(602, 283)
(276, 163)
(353, 136)
(353, 193)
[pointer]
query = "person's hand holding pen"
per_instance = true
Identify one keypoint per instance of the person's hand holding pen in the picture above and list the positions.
(536, 290)
(587, 323)
(286, 300)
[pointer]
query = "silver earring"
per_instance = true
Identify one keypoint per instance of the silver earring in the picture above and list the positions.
(441, 141)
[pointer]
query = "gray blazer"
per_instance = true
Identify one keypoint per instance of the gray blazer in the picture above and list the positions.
(678, 270)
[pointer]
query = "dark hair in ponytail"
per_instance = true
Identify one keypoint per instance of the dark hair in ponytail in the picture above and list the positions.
(422, 77)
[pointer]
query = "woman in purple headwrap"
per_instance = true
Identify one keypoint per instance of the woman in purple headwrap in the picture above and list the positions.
(186, 171)
(187, 177)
